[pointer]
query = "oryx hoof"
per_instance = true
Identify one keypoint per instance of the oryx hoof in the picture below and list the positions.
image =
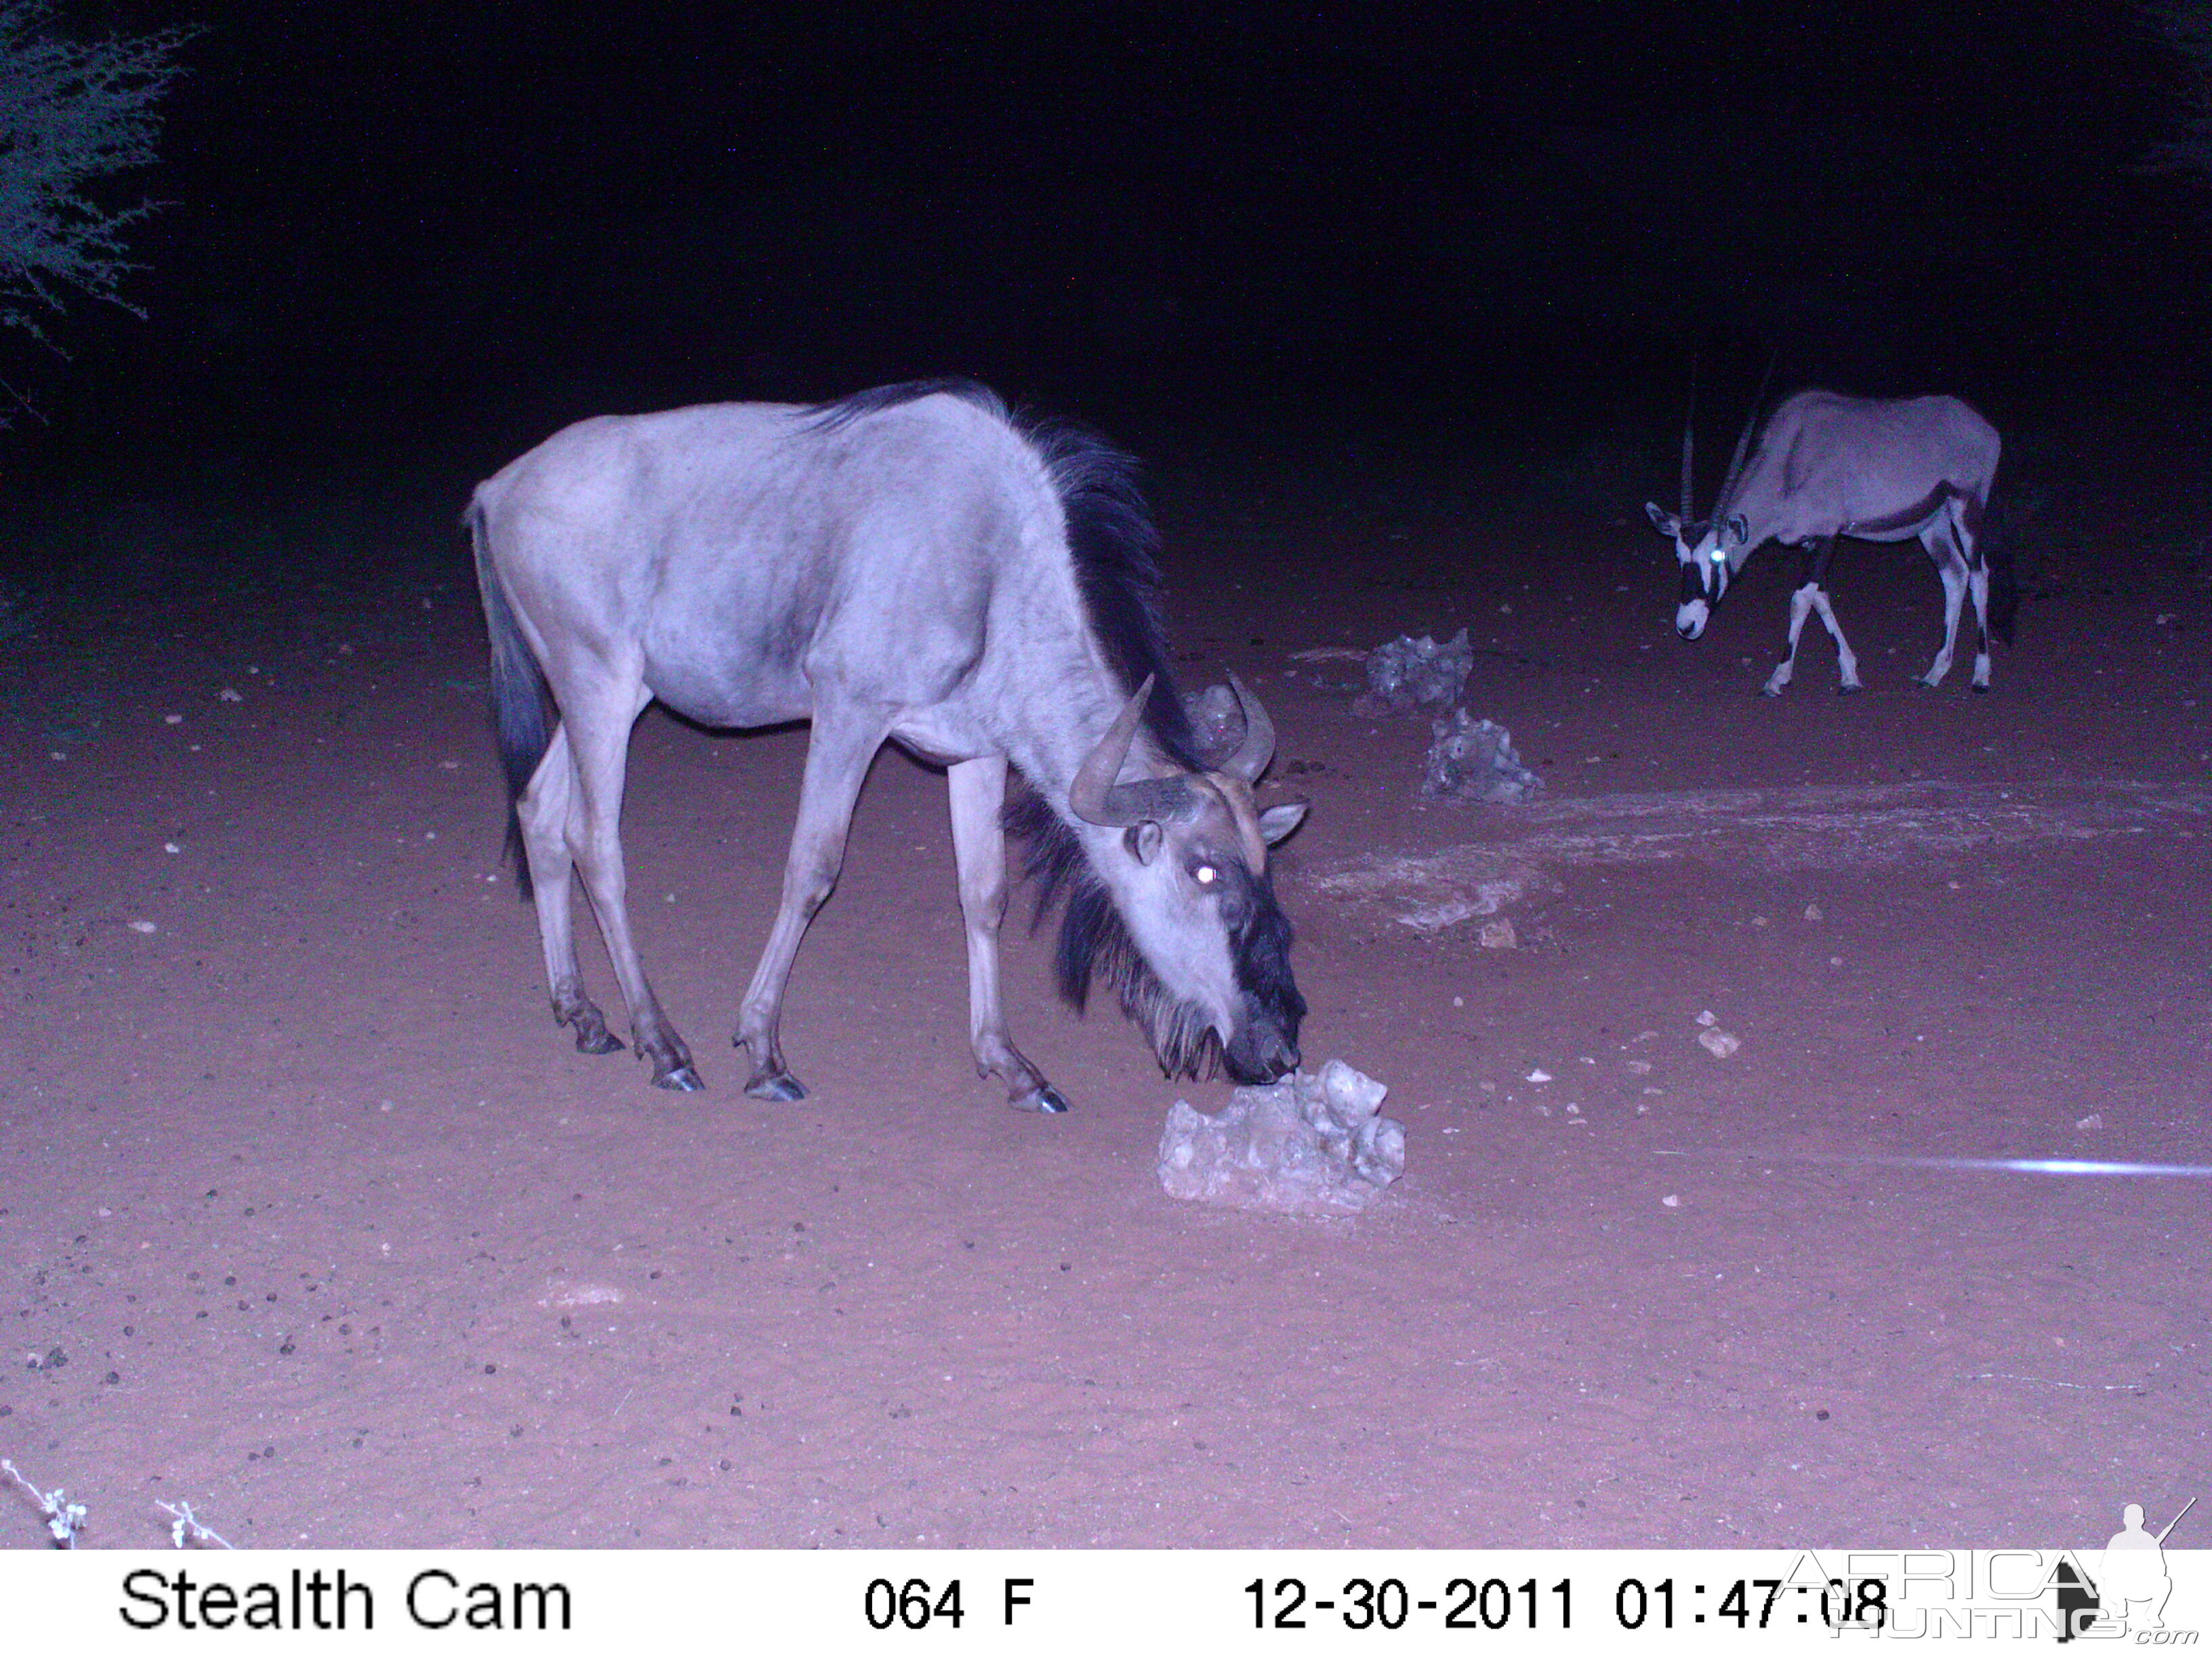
(1044, 1099)
(1849, 688)
(776, 1086)
(681, 1079)
(1981, 688)
(593, 1038)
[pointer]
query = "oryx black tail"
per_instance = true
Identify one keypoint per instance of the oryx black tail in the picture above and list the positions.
(523, 716)
(2004, 587)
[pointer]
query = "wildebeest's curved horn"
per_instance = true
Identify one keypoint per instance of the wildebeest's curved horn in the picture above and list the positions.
(1689, 439)
(1258, 748)
(1094, 796)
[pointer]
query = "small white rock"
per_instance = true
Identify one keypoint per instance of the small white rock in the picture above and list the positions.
(1759, 921)
(173, 720)
(1672, 1202)
(227, 695)
(1641, 1068)
(1499, 936)
(2095, 1121)
(1718, 1043)
(1707, 1017)
(1813, 913)
(1459, 1002)
(171, 846)
(1539, 1075)
(144, 928)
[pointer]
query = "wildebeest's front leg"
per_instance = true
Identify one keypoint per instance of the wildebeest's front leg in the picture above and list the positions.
(845, 740)
(979, 846)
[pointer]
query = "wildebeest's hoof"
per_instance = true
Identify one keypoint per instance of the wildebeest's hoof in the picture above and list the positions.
(776, 1086)
(1980, 690)
(681, 1078)
(1849, 688)
(1044, 1099)
(597, 1040)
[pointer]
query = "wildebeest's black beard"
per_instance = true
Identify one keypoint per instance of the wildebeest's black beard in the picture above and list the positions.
(1094, 945)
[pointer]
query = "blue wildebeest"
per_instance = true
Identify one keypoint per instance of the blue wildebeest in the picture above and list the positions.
(911, 563)
(1883, 469)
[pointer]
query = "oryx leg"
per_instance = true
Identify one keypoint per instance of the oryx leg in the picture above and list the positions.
(598, 722)
(845, 740)
(548, 812)
(1811, 599)
(979, 846)
(1847, 665)
(1937, 538)
(1965, 518)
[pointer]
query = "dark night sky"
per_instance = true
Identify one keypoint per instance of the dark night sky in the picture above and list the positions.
(458, 225)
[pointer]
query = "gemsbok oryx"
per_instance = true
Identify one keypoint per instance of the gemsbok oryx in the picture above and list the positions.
(910, 563)
(1883, 469)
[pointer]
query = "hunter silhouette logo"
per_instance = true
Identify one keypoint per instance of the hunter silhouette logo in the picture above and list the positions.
(2131, 1583)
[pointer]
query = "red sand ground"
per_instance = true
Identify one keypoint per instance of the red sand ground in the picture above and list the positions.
(308, 1215)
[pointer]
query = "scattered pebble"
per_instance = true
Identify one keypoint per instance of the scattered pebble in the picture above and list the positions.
(1812, 912)
(1641, 1068)
(1835, 961)
(173, 720)
(1672, 1202)
(171, 846)
(1759, 921)
(2095, 1121)
(144, 928)
(1499, 936)
(1707, 1017)
(1459, 1002)
(227, 695)
(1539, 1075)
(1718, 1043)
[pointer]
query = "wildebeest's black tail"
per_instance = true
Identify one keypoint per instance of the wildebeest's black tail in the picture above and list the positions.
(522, 712)
(2004, 588)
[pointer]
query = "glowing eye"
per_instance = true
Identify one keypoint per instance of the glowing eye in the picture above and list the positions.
(1719, 557)
(1204, 875)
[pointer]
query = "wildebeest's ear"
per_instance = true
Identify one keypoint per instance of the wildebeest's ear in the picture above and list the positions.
(1661, 520)
(1143, 840)
(1279, 820)
(1739, 529)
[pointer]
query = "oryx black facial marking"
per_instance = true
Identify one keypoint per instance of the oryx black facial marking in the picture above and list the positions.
(1826, 465)
(912, 563)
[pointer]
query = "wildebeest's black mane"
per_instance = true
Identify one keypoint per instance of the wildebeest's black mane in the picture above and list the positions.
(1115, 548)
(1110, 537)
